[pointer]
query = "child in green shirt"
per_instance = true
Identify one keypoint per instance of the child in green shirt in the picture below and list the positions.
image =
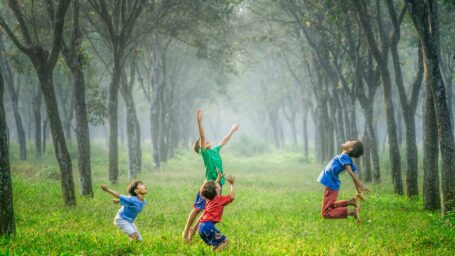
(212, 162)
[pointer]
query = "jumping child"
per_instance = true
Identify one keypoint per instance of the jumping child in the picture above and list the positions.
(131, 206)
(212, 162)
(329, 177)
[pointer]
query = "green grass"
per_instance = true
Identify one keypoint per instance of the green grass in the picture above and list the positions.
(277, 212)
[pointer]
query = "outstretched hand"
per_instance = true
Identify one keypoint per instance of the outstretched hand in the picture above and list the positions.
(235, 127)
(231, 179)
(360, 190)
(104, 187)
(199, 114)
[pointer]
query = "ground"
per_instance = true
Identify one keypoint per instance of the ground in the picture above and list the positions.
(277, 212)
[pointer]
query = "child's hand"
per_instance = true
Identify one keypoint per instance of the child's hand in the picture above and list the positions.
(199, 114)
(220, 175)
(104, 187)
(235, 127)
(115, 201)
(231, 179)
(363, 189)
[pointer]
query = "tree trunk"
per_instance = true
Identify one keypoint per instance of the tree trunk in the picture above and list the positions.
(14, 94)
(366, 158)
(431, 196)
(113, 119)
(132, 129)
(45, 133)
(305, 132)
(7, 224)
(37, 114)
(425, 19)
(58, 136)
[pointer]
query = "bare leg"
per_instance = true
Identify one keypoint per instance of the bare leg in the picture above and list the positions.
(221, 246)
(189, 222)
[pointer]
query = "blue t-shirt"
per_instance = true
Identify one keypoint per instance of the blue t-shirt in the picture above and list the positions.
(329, 177)
(131, 206)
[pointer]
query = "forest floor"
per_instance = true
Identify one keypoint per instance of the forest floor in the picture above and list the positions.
(277, 212)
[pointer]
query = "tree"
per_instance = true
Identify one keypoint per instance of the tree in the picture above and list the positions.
(119, 18)
(14, 94)
(381, 57)
(425, 18)
(7, 225)
(75, 60)
(44, 62)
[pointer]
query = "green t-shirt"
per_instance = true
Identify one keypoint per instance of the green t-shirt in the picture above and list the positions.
(212, 161)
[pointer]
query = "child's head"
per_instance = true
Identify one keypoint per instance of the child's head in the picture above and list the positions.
(354, 148)
(210, 189)
(137, 188)
(197, 145)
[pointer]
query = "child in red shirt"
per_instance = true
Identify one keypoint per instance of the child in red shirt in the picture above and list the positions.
(213, 212)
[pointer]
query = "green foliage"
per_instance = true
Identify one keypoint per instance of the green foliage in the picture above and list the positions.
(277, 212)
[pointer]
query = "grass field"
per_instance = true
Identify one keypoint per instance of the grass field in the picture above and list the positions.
(277, 212)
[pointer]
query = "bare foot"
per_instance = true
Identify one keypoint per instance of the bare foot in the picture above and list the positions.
(221, 246)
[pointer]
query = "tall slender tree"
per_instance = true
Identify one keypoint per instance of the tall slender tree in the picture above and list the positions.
(44, 62)
(14, 95)
(424, 15)
(7, 224)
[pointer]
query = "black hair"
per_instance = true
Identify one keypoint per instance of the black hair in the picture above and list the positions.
(357, 149)
(133, 185)
(208, 190)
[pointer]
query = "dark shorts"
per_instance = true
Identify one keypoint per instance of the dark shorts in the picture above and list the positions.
(199, 203)
(210, 235)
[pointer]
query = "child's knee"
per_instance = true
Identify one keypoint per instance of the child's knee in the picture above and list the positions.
(325, 215)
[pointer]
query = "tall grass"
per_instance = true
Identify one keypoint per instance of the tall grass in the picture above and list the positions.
(277, 212)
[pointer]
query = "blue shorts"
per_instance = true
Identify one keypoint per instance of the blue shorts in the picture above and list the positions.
(199, 203)
(210, 235)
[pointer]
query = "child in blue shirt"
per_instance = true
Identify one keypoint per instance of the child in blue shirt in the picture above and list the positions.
(329, 177)
(131, 207)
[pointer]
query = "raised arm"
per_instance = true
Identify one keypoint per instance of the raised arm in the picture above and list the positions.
(110, 191)
(226, 138)
(358, 184)
(231, 181)
(201, 130)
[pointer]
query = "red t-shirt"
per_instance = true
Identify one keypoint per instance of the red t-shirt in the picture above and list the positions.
(214, 209)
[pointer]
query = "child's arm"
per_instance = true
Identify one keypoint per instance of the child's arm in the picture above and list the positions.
(226, 139)
(231, 181)
(358, 184)
(201, 130)
(112, 192)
